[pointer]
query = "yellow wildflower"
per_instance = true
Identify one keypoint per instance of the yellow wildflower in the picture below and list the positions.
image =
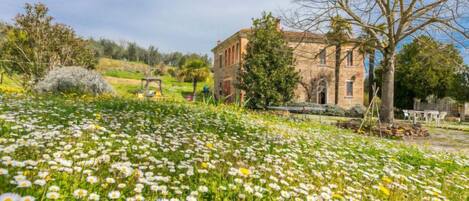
(387, 180)
(244, 171)
(384, 190)
(98, 116)
(204, 165)
(210, 145)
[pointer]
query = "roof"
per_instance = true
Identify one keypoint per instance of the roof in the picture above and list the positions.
(290, 36)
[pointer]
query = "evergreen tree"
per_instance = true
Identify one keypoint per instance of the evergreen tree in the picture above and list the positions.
(426, 67)
(268, 76)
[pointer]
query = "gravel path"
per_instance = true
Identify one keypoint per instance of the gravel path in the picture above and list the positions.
(443, 140)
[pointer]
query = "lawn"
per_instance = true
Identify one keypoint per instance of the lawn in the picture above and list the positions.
(85, 148)
(125, 78)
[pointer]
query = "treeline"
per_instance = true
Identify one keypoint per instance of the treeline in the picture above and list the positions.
(131, 51)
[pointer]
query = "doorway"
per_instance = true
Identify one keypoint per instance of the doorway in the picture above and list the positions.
(322, 92)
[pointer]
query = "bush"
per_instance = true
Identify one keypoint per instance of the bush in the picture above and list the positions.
(355, 111)
(73, 80)
(172, 71)
(334, 110)
(330, 110)
(161, 70)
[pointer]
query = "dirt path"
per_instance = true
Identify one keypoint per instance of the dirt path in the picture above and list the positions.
(443, 140)
(115, 80)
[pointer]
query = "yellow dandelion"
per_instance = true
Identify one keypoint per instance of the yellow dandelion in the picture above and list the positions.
(204, 165)
(244, 171)
(387, 180)
(384, 190)
(210, 145)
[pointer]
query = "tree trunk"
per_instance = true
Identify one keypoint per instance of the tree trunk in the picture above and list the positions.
(387, 92)
(371, 75)
(338, 49)
(194, 89)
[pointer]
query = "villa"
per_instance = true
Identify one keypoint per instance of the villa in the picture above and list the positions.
(314, 60)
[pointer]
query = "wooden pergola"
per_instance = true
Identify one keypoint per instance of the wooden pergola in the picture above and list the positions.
(146, 88)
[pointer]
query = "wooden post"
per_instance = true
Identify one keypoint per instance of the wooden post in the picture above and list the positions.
(462, 112)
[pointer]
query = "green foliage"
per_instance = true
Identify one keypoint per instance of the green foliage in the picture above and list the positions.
(124, 74)
(459, 89)
(34, 45)
(268, 76)
(195, 71)
(131, 51)
(425, 67)
(340, 30)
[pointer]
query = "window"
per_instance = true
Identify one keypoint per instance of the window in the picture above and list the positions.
(226, 57)
(232, 54)
(229, 56)
(350, 58)
(220, 61)
(349, 86)
(237, 52)
(322, 57)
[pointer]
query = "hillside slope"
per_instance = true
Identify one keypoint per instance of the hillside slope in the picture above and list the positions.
(132, 149)
(125, 78)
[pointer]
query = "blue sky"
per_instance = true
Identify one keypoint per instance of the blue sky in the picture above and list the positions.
(170, 25)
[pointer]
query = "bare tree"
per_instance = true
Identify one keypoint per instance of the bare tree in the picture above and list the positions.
(389, 22)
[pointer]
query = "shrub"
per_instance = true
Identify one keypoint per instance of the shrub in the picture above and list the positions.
(334, 110)
(161, 70)
(355, 111)
(172, 71)
(73, 80)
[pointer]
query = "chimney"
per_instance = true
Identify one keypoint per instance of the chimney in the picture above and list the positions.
(278, 24)
(218, 42)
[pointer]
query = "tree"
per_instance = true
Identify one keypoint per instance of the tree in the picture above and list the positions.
(425, 67)
(195, 70)
(459, 89)
(132, 54)
(339, 34)
(153, 56)
(268, 76)
(400, 19)
(367, 47)
(34, 45)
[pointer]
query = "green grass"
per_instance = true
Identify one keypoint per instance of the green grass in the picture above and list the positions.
(124, 74)
(221, 152)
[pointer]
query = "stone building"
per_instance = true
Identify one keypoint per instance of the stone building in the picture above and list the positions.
(314, 60)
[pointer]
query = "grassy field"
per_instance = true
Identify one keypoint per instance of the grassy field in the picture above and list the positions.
(73, 148)
(125, 78)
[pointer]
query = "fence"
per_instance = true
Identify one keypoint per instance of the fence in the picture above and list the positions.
(453, 109)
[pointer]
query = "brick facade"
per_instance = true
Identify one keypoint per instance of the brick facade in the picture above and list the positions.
(316, 68)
